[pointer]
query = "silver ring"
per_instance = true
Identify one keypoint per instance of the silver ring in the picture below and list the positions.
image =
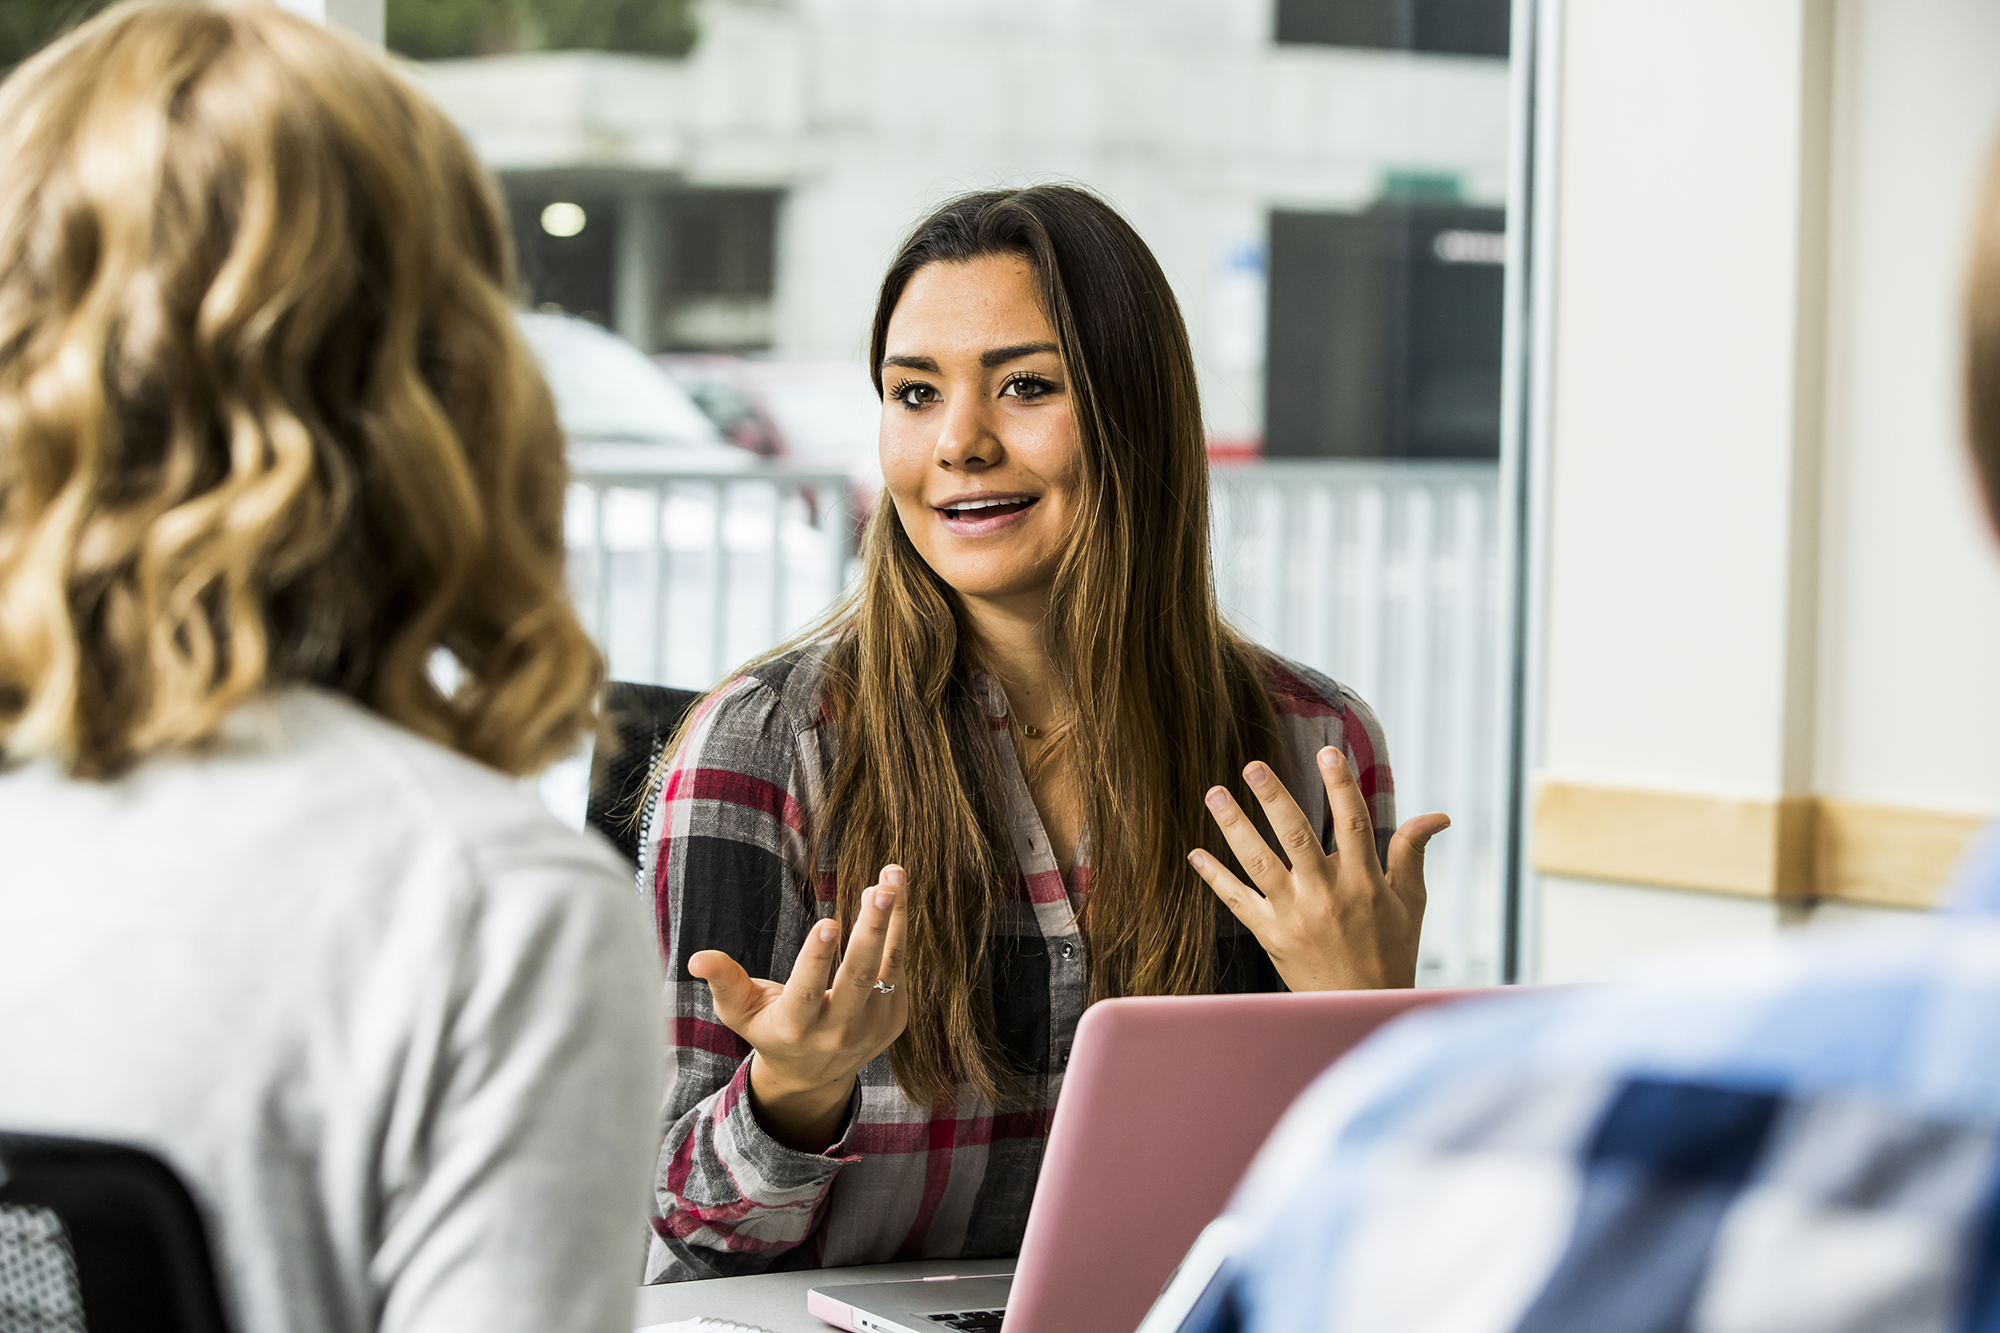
(886, 987)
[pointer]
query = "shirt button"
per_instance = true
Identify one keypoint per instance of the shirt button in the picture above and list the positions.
(1065, 1057)
(1068, 949)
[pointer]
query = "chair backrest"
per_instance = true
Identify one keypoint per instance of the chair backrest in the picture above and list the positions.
(636, 721)
(103, 1237)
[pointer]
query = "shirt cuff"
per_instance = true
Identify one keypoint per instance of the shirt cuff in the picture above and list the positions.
(782, 1169)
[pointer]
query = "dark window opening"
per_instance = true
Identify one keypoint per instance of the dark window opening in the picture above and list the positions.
(1384, 332)
(577, 273)
(720, 270)
(1438, 27)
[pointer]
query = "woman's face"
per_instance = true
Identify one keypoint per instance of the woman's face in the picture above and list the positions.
(979, 440)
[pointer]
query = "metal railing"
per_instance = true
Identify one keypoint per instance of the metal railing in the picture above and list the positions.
(1384, 576)
(682, 574)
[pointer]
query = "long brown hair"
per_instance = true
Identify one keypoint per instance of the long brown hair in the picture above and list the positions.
(1165, 699)
(264, 413)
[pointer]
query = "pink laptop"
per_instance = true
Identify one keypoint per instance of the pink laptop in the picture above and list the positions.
(1166, 1101)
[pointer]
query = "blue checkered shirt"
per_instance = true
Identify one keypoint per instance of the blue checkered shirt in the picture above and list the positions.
(1801, 1134)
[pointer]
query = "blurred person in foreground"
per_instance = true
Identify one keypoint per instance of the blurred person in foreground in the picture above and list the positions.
(274, 904)
(1801, 1134)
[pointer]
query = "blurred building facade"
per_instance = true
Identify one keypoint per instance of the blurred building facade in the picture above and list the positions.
(747, 197)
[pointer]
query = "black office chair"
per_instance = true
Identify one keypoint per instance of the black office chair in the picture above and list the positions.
(100, 1237)
(636, 722)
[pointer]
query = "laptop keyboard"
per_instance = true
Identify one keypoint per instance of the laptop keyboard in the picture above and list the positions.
(970, 1321)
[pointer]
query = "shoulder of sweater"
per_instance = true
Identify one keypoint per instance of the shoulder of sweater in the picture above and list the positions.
(382, 783)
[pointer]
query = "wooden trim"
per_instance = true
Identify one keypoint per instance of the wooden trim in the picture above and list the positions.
(1648, 837)
(1793, 847)
(1887, 855)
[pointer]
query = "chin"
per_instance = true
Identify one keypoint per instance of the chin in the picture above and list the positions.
(996, 589)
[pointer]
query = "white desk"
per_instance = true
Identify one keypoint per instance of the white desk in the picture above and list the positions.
(777, 1301)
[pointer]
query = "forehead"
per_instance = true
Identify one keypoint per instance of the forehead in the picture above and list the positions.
(992, 301)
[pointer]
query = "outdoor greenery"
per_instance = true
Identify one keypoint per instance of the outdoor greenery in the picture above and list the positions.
(441, 29)
(436, 29)
(26, 25)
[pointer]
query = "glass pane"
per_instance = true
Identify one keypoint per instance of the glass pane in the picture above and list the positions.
(1324, 182)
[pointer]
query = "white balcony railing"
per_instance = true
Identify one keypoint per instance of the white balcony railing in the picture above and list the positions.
(1386, 576)
(683, 574)
(1383, 575)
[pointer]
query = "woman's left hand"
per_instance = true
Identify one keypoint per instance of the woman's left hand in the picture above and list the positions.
(1334, 922)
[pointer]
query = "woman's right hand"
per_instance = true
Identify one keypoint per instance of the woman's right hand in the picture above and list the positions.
(811, 1035)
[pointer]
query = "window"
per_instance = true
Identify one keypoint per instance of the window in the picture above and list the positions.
(1385, 332)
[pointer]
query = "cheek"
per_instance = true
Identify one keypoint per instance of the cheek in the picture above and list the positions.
(1057, 457)
(903, 454)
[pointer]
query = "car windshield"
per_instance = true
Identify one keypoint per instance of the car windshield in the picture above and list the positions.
(606, 389)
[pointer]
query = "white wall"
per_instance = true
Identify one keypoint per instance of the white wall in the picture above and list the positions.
(1672, 414)
(1705, 415)
(1910, 712)
(1184, 114)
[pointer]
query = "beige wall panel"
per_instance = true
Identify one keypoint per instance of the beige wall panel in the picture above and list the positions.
(1589, 928)
(1832, 915)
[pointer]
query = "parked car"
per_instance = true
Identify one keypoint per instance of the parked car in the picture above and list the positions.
(613, 402)
(719, 386)
(688, 554)
(811, 411)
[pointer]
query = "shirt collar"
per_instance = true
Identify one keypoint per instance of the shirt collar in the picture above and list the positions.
(991, 696)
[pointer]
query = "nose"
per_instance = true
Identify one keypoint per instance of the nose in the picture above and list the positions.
(966, 442)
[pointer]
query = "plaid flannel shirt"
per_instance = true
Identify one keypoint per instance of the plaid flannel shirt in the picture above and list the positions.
(1801, 1134)
(950, 1179)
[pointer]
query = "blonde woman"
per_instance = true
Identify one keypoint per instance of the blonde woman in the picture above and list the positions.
(273, 904)
(1021, 716)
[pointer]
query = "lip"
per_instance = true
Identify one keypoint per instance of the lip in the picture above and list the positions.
(982, 527)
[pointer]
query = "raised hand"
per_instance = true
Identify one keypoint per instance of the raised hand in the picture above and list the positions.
(811, 1036)
(1334, 922)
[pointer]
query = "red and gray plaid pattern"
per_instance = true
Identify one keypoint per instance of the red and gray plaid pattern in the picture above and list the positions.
(906, 1181)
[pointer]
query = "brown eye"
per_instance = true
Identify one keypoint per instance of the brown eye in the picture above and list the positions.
(913, 395)
(1028, 388)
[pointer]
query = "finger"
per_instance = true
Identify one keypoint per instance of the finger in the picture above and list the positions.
(1248, 906)
(862, 965)
(1353, 827)
(729, 986)
(899, 920)
(1406, 857)
(1263, 867)
(1297, 838)
(805, 989)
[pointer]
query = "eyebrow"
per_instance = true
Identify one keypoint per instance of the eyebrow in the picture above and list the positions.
(998, 356)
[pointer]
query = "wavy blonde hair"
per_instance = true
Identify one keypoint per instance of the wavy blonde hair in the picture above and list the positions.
(265, 417)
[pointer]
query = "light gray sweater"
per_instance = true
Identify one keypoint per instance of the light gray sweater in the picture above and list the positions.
(397, 1028)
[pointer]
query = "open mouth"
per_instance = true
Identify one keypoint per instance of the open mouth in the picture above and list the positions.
(977, 511)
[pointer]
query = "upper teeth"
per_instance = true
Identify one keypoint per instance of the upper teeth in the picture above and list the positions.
(964, 505)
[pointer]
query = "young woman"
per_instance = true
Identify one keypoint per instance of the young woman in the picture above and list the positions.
(273, 905)
(1018, 715)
